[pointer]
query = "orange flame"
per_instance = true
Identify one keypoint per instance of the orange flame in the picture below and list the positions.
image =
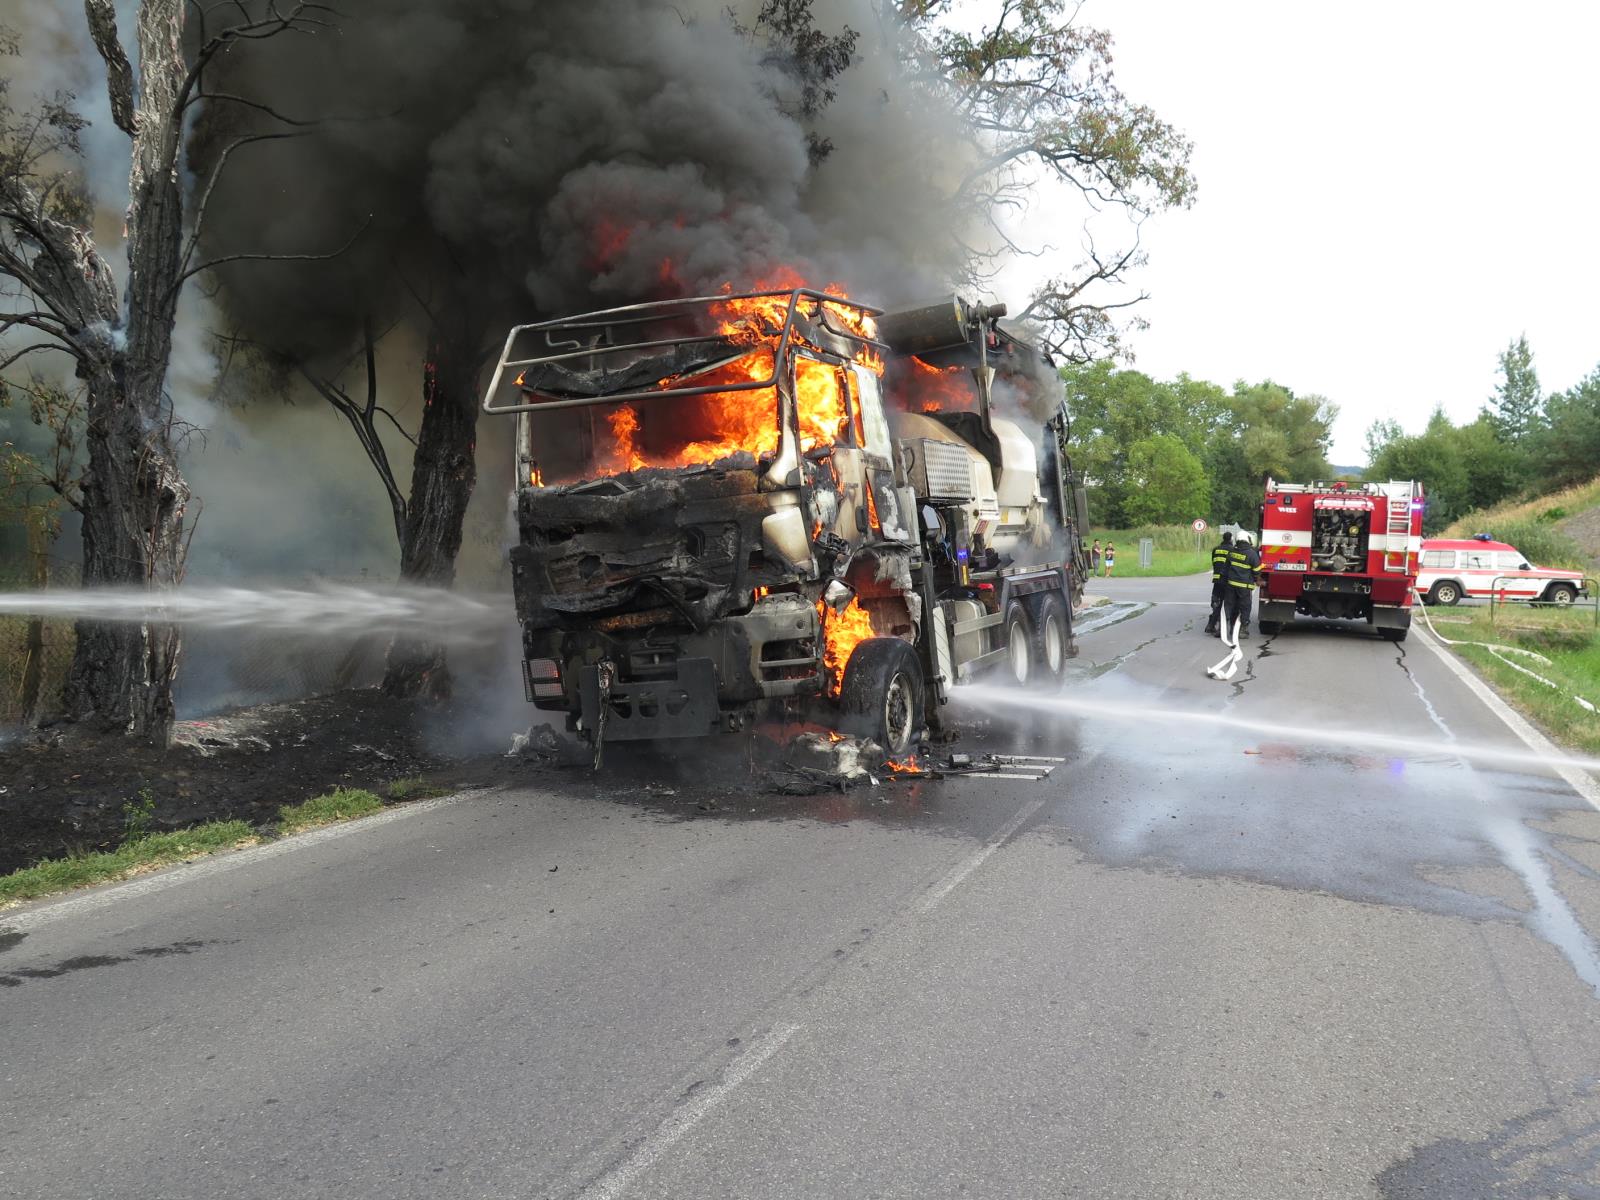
(903, 766)
(686, 431)
(842, 632)
(919, 387)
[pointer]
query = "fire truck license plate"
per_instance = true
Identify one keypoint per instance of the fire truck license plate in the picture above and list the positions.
(1289, 566)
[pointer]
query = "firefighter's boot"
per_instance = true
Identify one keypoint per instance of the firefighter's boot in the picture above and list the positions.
(1244, 632)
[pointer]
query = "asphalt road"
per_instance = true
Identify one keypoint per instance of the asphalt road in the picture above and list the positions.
(1198, 961)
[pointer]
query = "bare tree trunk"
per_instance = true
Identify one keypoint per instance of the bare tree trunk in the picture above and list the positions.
(33, 660)
(134, 498)
(443, 473)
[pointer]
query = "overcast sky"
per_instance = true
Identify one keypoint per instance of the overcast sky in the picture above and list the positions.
(1389, 192)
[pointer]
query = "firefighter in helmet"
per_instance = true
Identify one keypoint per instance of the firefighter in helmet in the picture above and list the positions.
(1219, 581)
(1244, 564)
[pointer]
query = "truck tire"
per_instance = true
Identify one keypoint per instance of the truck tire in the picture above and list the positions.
(1019, 658)
(1270, 628)
(1446, 592)
(881, 695)
(1050, 641)
(1561, 594)
(1393, 635)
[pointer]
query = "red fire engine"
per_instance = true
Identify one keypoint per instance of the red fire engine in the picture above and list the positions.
(1340, 550)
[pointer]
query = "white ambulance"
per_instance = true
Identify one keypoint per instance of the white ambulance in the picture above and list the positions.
(1452, 568)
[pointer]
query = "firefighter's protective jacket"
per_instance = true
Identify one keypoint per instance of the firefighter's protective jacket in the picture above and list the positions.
(1244, 562)
(1219, 561)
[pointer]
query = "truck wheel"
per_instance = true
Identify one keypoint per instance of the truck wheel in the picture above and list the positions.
(881, 695)
(1270, 628)
(1050, 640)
(1393, 635)
(1019, 644)
(1446, 593)
(1561, 593)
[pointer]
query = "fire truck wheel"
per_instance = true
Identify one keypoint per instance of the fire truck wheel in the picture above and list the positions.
(1269, 628)
(1561, 593)
(1019, 644)
(881, 694)
(1447, 593)
(1049, 649)
(1393, 635)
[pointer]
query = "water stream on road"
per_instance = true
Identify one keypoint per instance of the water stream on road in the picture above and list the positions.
(1517, 846)
(329, 610)
(985, 695)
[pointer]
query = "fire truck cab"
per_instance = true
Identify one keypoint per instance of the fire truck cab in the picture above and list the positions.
(1342, 550)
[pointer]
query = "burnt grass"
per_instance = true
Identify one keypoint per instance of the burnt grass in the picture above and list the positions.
(65, 790)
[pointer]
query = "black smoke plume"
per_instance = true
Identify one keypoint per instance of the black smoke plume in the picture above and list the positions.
(538, 156)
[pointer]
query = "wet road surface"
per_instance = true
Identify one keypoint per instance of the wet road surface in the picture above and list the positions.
(1197, 962)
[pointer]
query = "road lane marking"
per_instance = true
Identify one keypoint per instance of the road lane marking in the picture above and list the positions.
(1581, 781)
(978, 857)
(216, 864)
(684, 1118)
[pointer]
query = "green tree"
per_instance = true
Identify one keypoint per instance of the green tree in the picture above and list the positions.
(1495, 469)
(1265, 431)
(1435, 458)
(1111, 411)
(1567, 450)
(1167, 482)
(1516, 404)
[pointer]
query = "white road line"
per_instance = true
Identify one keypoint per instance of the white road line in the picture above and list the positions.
(687, 1116)
(1582, 782)
(978, 857)
(216, 864)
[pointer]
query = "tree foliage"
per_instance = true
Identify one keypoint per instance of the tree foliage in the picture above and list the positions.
(1036, 91)
(1168, 483)
(1517, 404)
(1125, 425)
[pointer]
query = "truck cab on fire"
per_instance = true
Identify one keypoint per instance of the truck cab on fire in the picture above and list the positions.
(723, 510)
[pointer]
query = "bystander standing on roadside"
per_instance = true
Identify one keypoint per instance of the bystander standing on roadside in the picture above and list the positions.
(1111, 558)
(1094, 558)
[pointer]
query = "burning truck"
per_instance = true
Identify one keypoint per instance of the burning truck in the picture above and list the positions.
(784, 502)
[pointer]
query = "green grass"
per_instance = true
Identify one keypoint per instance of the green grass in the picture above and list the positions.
(136, 855)
(1162, 562)
(339, 805)
(415, 788)
(1565, 637)
(1552, 507)
(1174, 554)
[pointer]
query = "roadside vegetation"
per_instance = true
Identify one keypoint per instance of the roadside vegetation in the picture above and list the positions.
(1565, 637)
(1175, 551)
(142, 851)
(342, 804)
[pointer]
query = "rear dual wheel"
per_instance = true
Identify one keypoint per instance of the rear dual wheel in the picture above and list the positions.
(1038, 641)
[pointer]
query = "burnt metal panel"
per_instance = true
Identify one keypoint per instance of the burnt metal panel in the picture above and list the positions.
(684, 705)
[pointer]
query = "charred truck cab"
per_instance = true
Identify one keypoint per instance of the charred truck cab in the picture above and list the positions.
(782, 500)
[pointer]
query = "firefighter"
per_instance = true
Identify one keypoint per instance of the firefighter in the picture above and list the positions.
(1244, 564)
(1219, 582)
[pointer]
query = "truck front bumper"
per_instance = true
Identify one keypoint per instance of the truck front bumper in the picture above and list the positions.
(680, 707)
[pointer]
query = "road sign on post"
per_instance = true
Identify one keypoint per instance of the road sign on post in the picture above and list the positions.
(1199, 527)
(1147, 552)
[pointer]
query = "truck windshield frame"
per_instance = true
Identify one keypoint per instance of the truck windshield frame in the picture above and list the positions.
(591, 336)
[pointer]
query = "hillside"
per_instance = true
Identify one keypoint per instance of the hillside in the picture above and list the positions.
(1558, 529)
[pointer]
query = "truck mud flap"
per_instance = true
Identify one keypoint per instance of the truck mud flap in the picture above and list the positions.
(1384, 617)
(681, 707)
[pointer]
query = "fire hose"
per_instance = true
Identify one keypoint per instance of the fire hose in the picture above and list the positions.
(1230, 638)
(1499, 651)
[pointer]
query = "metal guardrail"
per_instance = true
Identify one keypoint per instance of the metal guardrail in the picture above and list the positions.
(1588, 584)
